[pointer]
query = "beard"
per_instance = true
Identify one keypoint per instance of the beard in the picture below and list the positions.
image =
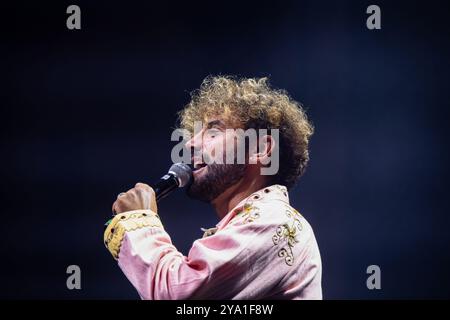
(217, 179)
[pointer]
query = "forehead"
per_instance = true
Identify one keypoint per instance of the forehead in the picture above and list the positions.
(216, 122)
(219, 121)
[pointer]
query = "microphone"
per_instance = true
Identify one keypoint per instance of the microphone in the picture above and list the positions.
(179, 175)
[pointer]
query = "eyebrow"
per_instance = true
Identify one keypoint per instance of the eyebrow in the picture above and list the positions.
(215, 123)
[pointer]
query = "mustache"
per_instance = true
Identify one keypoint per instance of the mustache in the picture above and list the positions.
(209, 160)
(206, 158)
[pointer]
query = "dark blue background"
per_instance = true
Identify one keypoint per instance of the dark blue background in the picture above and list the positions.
(88, 113)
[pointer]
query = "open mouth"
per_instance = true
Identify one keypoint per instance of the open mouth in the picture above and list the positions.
(198, 166)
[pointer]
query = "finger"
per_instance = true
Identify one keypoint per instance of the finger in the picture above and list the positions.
(131, 194)
(118, 208)
(118, 205)
(114, 208)
(153, 205)
(121, 195)
(141, 185)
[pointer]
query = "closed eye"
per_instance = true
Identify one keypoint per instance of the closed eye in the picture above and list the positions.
(212, 133)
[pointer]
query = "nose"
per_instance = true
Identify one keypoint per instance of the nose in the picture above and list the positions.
(195, 142)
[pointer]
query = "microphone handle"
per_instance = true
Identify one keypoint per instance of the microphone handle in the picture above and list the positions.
(165, 186)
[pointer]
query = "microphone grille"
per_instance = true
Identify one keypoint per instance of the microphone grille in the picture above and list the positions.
(182, 172)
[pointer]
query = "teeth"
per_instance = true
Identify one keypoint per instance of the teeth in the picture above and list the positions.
(198, 166)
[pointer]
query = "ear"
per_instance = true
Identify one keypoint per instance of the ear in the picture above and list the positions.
(266, 147)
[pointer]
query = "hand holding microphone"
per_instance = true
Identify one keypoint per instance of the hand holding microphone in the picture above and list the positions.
(142, 196)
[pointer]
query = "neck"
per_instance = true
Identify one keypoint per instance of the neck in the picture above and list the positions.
(235, 194)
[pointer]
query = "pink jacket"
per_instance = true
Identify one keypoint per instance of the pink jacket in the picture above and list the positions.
(262, 249)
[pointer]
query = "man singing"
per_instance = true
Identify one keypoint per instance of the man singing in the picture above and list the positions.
(262, 248)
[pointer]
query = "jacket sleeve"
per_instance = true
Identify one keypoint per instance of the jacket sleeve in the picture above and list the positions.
(217, 267)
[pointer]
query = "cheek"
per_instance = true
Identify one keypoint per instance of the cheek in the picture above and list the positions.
(231, 144)
(214, 147)
(218, 147)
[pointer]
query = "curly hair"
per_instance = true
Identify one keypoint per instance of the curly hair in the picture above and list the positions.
(253, 103)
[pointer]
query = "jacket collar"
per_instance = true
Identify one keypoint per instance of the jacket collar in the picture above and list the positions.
(273, 192)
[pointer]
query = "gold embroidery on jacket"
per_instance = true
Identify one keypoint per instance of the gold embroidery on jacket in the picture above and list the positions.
(249, 213)
(126, 222)
(286, 236)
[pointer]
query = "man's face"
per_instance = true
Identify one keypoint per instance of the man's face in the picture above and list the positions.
(212, 175)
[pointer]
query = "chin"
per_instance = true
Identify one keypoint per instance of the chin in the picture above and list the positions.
(211, 181)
